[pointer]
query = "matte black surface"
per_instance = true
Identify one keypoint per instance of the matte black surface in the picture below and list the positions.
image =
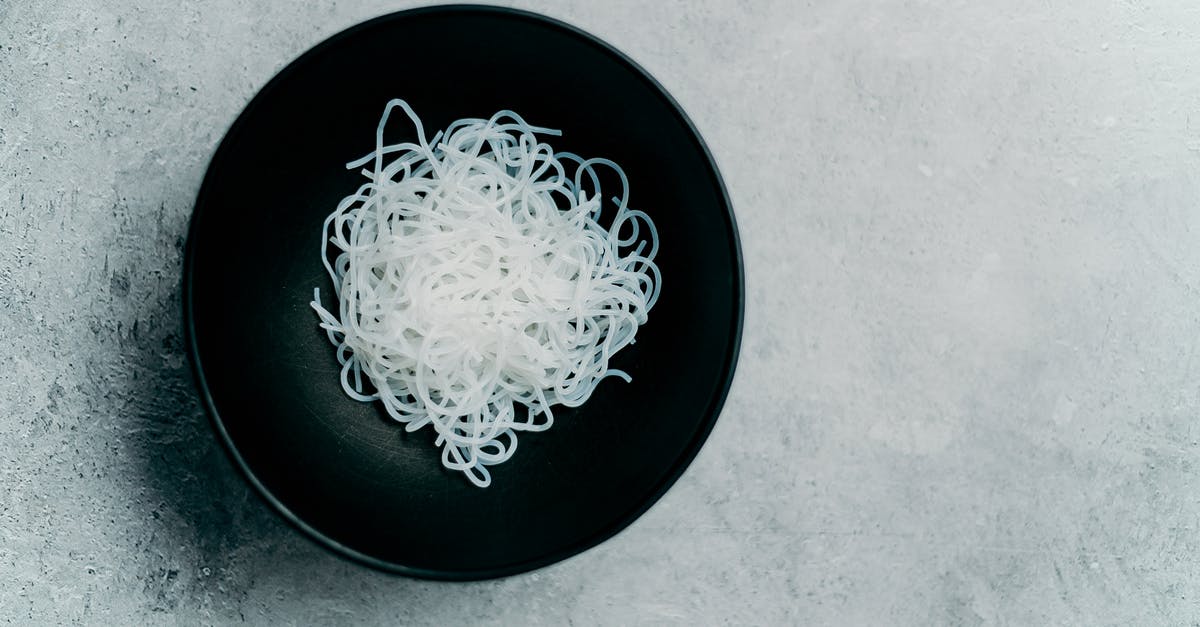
(342, 470)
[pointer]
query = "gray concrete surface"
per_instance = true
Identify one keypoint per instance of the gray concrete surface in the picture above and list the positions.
(970, 380)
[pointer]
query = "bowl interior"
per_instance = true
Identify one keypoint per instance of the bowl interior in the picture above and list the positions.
(343, 470)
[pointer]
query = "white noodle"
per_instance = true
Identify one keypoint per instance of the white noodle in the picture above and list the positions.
(476, 285)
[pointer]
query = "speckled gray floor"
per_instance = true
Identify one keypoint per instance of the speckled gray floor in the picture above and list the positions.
(969, 387)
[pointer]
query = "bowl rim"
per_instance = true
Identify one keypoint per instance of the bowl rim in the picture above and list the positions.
(619, 523)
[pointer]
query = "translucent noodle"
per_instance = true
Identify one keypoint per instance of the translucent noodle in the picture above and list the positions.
(478, 283)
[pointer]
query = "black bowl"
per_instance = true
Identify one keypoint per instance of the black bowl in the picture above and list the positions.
(341, 470)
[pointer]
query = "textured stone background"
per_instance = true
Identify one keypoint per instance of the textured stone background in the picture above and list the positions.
(969, 386)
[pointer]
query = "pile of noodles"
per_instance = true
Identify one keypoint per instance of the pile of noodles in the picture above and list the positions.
(478, 283)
